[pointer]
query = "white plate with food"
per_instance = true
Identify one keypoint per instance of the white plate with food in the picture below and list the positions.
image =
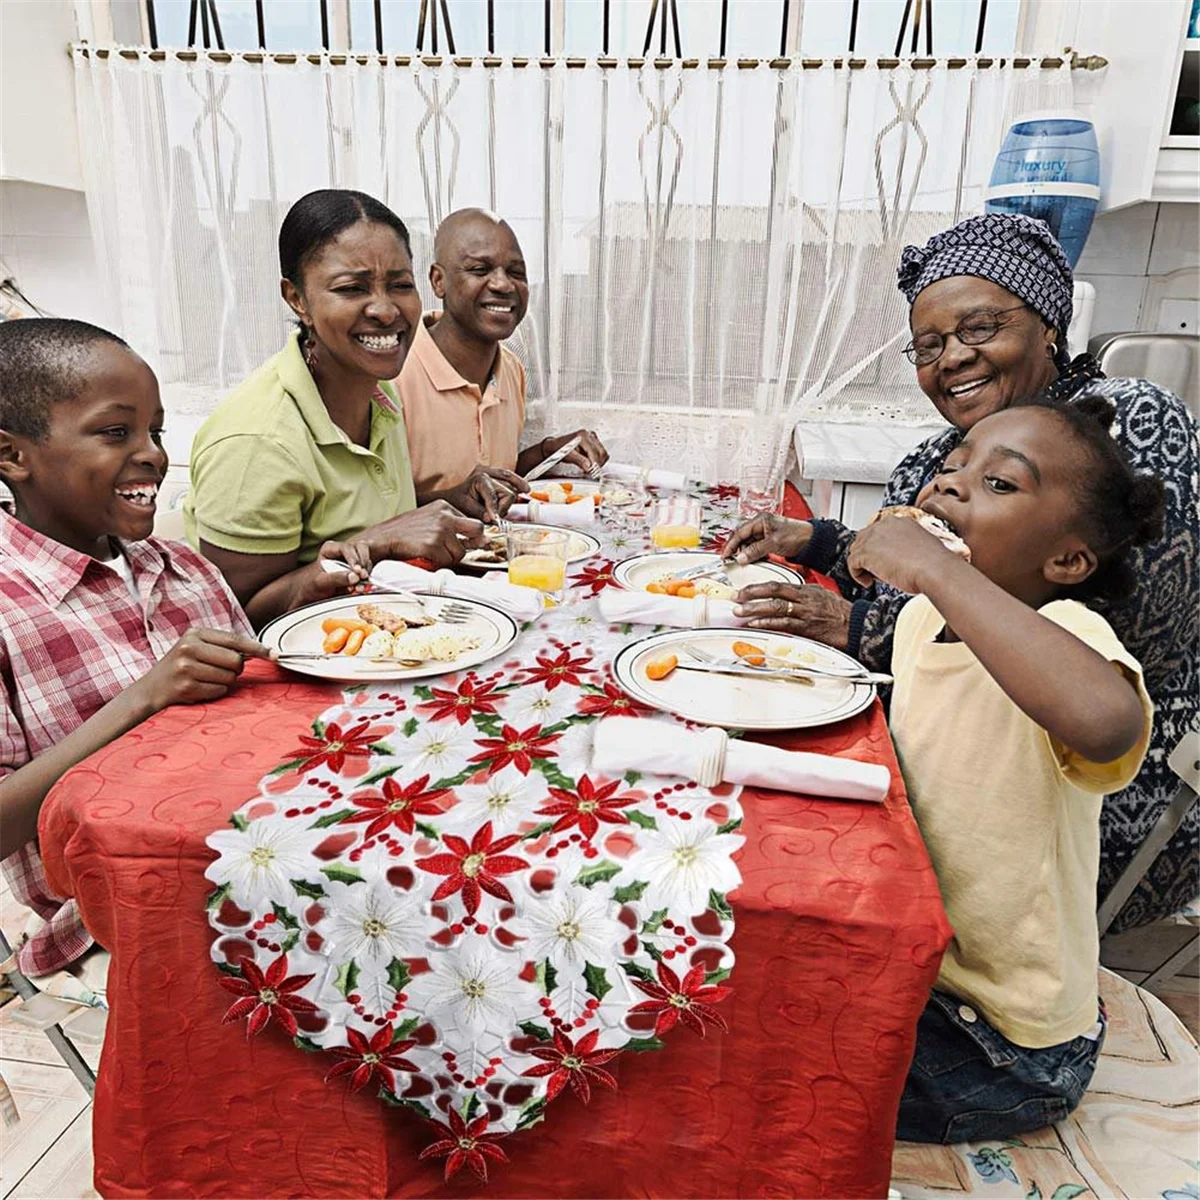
(389, 636)
(562, 491)
(664, 568)
(494, 556)
(741, 700)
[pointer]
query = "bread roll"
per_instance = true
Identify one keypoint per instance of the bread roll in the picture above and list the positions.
(929, 523)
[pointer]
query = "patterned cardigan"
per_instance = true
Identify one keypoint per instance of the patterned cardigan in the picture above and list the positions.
(1159, 625)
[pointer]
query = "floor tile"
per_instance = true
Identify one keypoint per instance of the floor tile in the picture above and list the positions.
(48, 1099)
(65, 1171)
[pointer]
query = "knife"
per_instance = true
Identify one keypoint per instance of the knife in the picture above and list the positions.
(797, 674)
(552, 461)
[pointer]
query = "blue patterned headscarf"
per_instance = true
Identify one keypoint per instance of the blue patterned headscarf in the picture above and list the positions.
(1018, 253)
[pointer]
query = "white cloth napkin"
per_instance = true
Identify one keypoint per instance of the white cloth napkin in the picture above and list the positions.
(710, 757)
(521, 603)
(645, 608)
(538, 512)
(671, 480)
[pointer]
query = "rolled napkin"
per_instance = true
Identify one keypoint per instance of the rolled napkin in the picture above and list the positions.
(644, 608)
(711, 757)
(538, 512)
(671, 480)
(522, 604)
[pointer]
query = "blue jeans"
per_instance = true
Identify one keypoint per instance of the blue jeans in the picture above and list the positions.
(969, 1083)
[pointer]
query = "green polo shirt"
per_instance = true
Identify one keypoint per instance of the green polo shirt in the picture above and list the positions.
(271, 472)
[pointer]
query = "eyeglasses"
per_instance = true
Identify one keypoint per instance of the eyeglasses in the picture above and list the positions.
(974, 331)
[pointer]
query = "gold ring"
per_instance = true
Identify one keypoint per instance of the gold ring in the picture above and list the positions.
(789, 608)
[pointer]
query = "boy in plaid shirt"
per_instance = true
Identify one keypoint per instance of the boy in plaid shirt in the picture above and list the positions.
(101, 625)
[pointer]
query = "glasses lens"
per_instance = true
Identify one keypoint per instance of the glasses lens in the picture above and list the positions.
(925, 350)
(978, 331)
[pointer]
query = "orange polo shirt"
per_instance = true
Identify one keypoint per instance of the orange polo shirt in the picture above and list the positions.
(452, 428)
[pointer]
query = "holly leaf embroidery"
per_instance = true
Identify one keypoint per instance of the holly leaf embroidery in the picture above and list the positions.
(631, 777)
(411, 726)
(653, 923)
(430, 831)
(547, 976)
(631, 891)
(303, 888)
(284, 917)
(637, 971)
(717, 976)
(306, 1044)
(488, 723)
(531, 1112)
(239, 822)
(596, 980)
(423, 692)
(405, 1028)
(341, 874)
(730, 826)
(598, 873)
(217, 898)
(645, 820)
(533, 1029)
(398, 974)
(537, 831)
(639, 1045)
(332, 818)
(552, 774)
(719, 905)
(346, 979)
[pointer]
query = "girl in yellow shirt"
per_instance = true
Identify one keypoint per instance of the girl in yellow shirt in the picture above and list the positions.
(1015, 710)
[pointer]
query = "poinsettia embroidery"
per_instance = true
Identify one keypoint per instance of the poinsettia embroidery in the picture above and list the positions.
(396, 805)
(472, 867)
(264, 995)
(689, 1001)
(465, 1145)
(565, 1062)
(562, 668)
(587, 807)
(377, 1059)
(471, 696)
(596, 578)
(520, 748)
(334, 746)
(611, 702)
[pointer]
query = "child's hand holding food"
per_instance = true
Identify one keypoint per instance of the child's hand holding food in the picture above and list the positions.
(901, 546)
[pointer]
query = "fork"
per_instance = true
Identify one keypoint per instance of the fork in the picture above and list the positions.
(787, 664)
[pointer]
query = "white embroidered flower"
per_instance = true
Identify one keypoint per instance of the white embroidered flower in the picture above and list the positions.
(259, 862)
(683, 861)
(506, 799)
(539, 706)
(474, 988)
(438, 749)
(575, 748)
(571, 928)
(373, 924)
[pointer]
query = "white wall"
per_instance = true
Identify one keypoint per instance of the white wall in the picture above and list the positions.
(1138, 258)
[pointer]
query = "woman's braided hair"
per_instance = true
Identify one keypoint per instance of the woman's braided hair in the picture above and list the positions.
(1120, 508)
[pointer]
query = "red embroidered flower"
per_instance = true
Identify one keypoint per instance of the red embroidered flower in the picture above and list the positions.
(334, 747)
(520, 749)
(688, 1001)
(472, 696)
(465, 1144)
(376, 1058)
(396, 805)
(566, 1062)
(597, 577)
(724, 491)
(264, 996)
(612, 703)
(587, 807)
(553, 671)
(472, 867)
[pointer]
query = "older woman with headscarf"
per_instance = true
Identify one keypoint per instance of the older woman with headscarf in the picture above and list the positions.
(991, 300)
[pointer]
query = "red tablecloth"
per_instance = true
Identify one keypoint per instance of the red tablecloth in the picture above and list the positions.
(840, 930)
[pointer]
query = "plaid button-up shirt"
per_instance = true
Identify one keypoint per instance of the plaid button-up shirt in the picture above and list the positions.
(72, 637)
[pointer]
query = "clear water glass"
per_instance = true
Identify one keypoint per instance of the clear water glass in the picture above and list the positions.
(759, 493)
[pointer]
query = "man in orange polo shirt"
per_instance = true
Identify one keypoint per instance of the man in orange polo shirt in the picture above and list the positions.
(463, 391)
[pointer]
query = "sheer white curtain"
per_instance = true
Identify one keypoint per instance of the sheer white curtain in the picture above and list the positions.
(712, 252)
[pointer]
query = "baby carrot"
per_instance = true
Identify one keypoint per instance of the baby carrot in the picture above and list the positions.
(656, 588)
(660, 668)
(756, 656)
(355, 640)
(335, 639)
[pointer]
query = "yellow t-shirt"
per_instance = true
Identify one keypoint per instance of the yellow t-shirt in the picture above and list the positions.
(271, 472)
(1011, 819)
(452, 426)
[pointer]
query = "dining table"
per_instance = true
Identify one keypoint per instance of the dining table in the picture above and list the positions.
(839, 932)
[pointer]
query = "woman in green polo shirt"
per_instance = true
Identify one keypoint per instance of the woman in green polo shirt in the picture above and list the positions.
(307, 458)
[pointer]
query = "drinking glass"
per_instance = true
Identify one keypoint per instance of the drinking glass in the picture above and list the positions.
(759, 493)
(675, 523)
(625, 501)
(537, 558)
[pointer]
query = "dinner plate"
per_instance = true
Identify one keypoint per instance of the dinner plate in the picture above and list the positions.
(742, 701)
(581, 546)
(634, 573)
(300, 632)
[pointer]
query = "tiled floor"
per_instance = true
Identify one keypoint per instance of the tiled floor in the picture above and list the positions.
(49, 1154)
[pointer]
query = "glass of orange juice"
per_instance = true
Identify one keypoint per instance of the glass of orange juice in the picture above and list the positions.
(675, 523)
(537, 558)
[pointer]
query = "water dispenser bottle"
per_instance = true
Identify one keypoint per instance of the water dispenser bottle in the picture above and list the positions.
(1049, 168)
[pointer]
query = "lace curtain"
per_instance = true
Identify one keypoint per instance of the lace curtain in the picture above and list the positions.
(711, 252)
